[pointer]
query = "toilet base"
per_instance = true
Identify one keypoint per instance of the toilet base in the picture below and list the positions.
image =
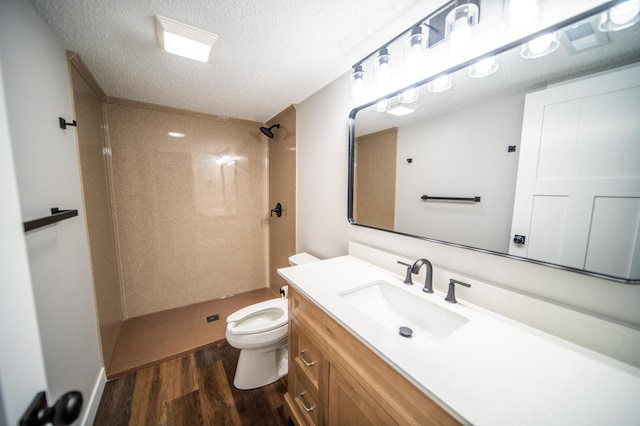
(257, 367)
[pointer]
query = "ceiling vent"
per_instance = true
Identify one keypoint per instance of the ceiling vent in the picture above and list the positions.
(184, 40)
(583, 36)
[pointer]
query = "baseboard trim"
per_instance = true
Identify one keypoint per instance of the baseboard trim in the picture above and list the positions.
(94, 401)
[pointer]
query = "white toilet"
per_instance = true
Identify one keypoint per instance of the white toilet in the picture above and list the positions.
(260, 331)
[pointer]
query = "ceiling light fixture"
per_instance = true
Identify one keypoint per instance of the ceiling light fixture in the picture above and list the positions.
(184, 40)
(540, 46)
(620, 17)
(176, 135)
(400, 110)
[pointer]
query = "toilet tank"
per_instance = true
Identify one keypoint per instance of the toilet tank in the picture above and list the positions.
(302, 258)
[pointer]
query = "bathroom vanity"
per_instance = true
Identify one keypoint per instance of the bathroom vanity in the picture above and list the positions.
(348, 363)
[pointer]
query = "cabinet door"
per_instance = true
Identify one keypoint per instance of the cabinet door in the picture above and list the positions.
(350, 404)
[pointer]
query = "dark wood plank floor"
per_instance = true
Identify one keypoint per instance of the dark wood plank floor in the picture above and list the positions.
(194, 389)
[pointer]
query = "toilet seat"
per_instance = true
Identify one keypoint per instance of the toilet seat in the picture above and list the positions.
(259, 318)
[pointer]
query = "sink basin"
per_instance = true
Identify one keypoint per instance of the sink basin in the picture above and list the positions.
(393, 308)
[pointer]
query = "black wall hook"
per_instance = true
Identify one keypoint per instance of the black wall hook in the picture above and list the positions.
(64, 123)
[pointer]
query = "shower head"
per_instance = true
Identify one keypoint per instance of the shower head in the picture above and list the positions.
(267, 132)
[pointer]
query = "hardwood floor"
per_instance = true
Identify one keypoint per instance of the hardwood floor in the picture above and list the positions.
(193, 389)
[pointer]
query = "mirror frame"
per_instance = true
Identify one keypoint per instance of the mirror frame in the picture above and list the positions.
(466, 64)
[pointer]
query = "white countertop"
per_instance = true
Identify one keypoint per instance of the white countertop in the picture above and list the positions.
(492, 370)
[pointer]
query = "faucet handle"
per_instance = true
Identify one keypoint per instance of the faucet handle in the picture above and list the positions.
(451, 293)
(407, 277)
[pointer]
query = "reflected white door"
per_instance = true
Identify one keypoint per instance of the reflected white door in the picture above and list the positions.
(578, 189)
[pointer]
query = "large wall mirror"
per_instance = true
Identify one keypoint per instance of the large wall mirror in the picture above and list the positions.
(539, 160)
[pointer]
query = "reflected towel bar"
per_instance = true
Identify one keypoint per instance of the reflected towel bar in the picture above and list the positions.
(56, 216)
(469, 199)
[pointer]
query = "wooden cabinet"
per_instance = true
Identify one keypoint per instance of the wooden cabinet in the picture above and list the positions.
(334, 379)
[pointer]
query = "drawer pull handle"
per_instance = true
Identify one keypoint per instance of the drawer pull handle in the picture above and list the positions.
(307, 409)
(307, 363)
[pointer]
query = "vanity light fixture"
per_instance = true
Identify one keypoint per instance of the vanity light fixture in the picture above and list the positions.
(620, 17)
(483, 67)
(540, 46)
(440, 84)
(184, 40)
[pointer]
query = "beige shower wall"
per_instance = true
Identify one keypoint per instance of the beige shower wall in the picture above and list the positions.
(93, 152)
(190, 227)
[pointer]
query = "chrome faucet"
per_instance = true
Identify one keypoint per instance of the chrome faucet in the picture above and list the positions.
(428, 287)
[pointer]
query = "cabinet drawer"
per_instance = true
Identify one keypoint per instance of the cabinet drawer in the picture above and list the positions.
(306, 355)
(305, 397)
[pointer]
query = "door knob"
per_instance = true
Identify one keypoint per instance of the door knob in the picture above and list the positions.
(277, 210)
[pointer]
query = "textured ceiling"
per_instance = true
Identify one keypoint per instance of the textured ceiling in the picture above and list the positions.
(270, 54)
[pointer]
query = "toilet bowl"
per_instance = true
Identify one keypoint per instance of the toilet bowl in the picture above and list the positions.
(260, 331)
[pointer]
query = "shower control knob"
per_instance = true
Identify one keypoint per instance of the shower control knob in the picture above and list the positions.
(519, 239)
(277, 210)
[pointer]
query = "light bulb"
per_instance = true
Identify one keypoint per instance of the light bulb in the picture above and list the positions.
(382, 106)
(409, 96)
(382, 70)
(458, 23)
(358, 88)
(484, 67)
(522, 13)
(624, 13)
(440, 84)
(414, 54)
(540, 46)
(620, 17)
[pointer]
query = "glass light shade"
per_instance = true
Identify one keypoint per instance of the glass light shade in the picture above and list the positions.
(484, 67)
(382, 106)
(440, 84)
(523, 13)
(414, 50)
(358, 87)
(458, 25)
(540, 46)
(382, 70)
(409, 95)
(620, 17)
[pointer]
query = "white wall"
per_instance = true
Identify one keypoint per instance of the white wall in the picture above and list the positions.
(37, 91)
(461, 161)
(323, 230)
